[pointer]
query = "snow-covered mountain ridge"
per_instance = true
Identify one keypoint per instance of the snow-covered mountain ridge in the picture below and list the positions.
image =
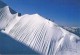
(40, 34)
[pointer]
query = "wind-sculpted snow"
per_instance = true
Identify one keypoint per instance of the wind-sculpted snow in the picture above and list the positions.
(38, 33)
(5, 17)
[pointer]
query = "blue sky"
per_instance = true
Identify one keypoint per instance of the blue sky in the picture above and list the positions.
(63, 12)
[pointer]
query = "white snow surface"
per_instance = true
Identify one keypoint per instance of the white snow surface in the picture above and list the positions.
(40, 34)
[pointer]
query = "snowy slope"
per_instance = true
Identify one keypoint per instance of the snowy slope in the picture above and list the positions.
(40, 34)
(6, 17)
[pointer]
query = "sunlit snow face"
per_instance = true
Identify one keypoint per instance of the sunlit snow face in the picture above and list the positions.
(38, 33)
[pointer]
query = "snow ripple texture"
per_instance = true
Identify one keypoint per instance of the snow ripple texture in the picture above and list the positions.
(40, 34)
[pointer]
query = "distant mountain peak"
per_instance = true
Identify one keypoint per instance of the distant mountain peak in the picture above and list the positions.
(2, 5)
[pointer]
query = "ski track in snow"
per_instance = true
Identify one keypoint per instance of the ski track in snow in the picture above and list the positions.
(40, 34)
